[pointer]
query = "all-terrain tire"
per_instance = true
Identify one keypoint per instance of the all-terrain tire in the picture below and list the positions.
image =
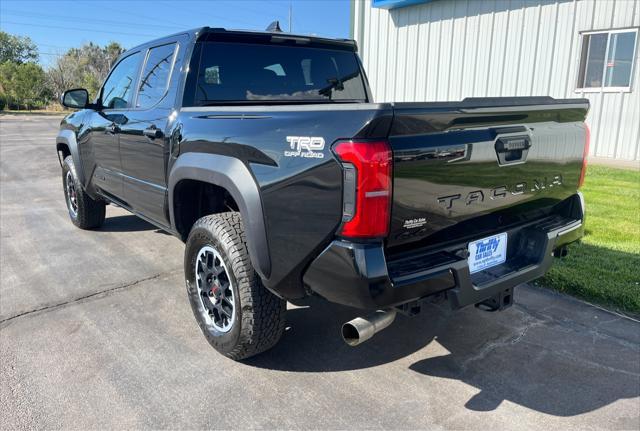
(88, 213)
(259, 317)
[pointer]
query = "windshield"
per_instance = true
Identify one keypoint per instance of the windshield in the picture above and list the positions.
(244, 73)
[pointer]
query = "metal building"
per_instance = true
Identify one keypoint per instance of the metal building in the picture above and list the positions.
(437, 50)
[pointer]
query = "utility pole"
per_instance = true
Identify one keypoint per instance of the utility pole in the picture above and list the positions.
(290, 13)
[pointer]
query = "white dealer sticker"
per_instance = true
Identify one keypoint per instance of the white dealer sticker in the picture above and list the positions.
(487, 252)
(414, 223)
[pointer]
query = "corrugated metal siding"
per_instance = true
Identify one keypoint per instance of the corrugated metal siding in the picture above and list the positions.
(452, 49)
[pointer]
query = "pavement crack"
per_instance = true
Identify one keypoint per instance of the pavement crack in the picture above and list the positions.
(532, 321)
(594, 364)
(575, 326)
(507, 340)
(101, 293)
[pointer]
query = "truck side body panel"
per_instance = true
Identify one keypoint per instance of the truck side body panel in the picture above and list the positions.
(301, 196)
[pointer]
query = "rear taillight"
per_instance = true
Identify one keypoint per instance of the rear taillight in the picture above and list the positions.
(367, 188)
(585, 154)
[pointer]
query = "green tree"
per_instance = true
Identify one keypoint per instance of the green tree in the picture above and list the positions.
(17, 49)
(84, 67)
(24, 84)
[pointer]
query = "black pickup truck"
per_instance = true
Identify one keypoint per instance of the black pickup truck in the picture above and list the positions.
(267, 155)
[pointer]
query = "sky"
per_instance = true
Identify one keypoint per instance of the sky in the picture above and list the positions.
(55, 26)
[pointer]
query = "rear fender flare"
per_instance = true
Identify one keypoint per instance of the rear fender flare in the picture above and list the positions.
(68, 137)
(234, 176)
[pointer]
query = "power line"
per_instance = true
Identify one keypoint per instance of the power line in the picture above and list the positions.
(80, 29)
(52, 46)
(54, 54)
(275, 3)
(75, 18)
(123, 33)
(200, 12)
(262, 14)
(140, 15)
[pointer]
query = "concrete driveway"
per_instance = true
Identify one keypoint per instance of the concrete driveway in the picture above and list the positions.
(96, 332)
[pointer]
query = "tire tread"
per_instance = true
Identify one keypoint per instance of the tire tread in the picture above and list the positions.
(91, 212)
(262, 313)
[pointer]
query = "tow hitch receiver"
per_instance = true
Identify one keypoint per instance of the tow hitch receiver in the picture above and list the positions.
(498, 302)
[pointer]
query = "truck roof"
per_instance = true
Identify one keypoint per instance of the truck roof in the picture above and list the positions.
(220, 33)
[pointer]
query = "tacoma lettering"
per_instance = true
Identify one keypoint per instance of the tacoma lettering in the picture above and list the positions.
(501, 192)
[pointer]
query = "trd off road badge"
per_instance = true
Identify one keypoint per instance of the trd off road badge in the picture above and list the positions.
(305, 146)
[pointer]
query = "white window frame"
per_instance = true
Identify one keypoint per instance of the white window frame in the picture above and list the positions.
(603, 88)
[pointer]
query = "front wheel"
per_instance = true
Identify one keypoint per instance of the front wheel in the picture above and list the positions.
(236, 313)
(85, 212)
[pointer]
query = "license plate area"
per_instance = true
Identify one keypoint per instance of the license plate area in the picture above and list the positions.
(487, 252)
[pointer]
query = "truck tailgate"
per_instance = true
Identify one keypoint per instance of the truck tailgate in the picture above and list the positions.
(467, 169)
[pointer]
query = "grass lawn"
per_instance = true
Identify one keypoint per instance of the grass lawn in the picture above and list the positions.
(604, 267)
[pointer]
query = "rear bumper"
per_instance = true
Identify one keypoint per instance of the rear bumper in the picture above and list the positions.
(360, 276)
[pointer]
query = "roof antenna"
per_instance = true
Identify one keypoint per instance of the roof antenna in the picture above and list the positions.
(274, 27)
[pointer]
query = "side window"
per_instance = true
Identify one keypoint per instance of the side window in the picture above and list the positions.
(606, 59)
(155, 75)
(117, 91)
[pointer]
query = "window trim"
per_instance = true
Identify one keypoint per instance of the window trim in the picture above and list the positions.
(603, 88)
(135, 89)
(134, 106)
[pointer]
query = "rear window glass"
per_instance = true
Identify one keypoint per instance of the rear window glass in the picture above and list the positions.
(240, 72)
(155, 75)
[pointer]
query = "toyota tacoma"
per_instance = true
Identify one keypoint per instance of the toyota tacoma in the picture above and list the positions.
(267, 155)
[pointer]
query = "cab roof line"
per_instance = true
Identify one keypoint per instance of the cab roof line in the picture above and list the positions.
(203, 32)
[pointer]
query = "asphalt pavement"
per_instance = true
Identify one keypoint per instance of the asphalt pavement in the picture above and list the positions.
(96, 332)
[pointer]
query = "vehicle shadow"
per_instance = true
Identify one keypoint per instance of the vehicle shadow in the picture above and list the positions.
(546, 366)
(127, 223)
(312, 341)
(537, 362)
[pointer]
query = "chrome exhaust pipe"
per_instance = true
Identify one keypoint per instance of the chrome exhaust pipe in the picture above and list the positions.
(360, 329)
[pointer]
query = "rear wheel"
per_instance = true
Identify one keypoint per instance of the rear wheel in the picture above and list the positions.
(85, 212)
(236, 313)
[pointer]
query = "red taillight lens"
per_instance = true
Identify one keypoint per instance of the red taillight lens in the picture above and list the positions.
(367, 168)
(587, 140)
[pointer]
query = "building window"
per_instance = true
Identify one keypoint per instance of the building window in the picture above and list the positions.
(606, 59)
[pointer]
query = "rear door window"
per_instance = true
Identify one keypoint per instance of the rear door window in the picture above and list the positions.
(155, 75)
(245, 73)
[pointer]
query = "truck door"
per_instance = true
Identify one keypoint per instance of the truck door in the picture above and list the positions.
(105, 124)
(144, 146)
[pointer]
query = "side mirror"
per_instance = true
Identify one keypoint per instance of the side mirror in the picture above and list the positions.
(77, 98)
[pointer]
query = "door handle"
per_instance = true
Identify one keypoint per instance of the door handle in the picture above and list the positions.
(153, 132)
(512, 149)
(113, 128)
